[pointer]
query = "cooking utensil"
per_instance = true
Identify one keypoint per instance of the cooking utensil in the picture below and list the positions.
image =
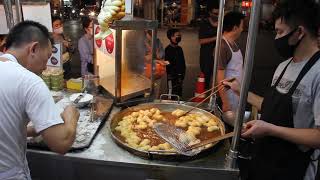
(92, 111)
(220, 87)
(163, 107)
(76, 101)
(217, 86)
(182, 141)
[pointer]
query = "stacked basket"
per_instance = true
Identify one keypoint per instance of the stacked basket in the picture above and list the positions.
(53, 79)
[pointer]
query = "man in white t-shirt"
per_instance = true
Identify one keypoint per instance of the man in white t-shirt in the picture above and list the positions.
(24, 97)
(287, 138)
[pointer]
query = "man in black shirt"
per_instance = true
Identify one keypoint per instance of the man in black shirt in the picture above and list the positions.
(207, 40)
(177, 67)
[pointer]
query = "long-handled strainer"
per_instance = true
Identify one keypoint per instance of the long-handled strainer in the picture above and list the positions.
(182, 141)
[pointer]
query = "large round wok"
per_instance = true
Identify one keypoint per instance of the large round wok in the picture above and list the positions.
(163, 107)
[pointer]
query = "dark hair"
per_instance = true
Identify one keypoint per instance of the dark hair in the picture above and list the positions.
(171, 32)
(26, 32)
(149, 32)
(212, 4)
(55, 18)
(86, 22)
(231, 20)
(297, 12)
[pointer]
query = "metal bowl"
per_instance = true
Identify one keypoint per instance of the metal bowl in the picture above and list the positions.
(229, 117)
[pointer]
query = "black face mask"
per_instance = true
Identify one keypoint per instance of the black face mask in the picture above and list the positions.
(214, 18)
(284, 49)
(178, 39)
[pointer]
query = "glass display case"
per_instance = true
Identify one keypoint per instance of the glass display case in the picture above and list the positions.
(120, 60)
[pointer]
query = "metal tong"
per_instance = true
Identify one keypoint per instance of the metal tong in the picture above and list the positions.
(219, 87)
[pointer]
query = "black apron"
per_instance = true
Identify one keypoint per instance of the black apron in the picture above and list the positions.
(274, 158)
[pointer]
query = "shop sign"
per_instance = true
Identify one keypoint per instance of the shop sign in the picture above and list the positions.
(55, 59)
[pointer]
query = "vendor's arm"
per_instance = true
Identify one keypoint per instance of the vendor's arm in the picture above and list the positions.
(60, 137)
(58, 133)
(253, 99)
(307, 137)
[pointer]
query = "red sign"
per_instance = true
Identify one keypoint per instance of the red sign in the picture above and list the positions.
(109, 43)
(246, 4)
(98, 41)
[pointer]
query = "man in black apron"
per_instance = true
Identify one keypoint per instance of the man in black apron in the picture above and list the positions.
(287, 138)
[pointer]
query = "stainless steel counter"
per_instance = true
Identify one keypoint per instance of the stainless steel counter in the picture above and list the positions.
(105, 160)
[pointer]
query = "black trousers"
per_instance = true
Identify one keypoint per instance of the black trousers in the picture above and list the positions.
(90, 68)
(175, 84)
(206, 67)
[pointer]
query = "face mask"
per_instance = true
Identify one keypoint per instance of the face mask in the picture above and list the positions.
(282, 44)
(58, 30)
(214, 18)
(178, 39)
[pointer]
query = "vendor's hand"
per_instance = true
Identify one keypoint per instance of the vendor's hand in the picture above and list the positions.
(69, 113)
(66, 44)
(233, 84)
(225, 107)
(162, 62)
(257, 129)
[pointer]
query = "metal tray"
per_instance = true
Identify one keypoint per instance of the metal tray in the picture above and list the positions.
(86, 130)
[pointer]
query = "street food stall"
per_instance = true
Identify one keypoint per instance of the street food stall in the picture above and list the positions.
(117, 141)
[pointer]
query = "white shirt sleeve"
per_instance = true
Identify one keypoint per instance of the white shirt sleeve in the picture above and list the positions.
(40, 106)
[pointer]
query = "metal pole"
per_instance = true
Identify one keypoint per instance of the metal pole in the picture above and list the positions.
(9, 14)
(18, 10)
(162, 11)
(118, 66)
(153, 61)
(217, 51)
(249, 57)
(132, 7)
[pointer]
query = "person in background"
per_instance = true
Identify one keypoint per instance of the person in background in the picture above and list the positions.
(207, 40)
(287, 136)
(85, 46)
(319, 37)
(160, 62)
(26, 98)
(67, 47)
(176, 68)
(230, 63)
(2, 44)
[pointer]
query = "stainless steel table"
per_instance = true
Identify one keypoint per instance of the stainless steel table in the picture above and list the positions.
(105, 160)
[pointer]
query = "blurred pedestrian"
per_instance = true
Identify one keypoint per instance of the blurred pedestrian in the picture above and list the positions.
(207, 40)
(177, 67)
(85, 46)
(67, 46)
